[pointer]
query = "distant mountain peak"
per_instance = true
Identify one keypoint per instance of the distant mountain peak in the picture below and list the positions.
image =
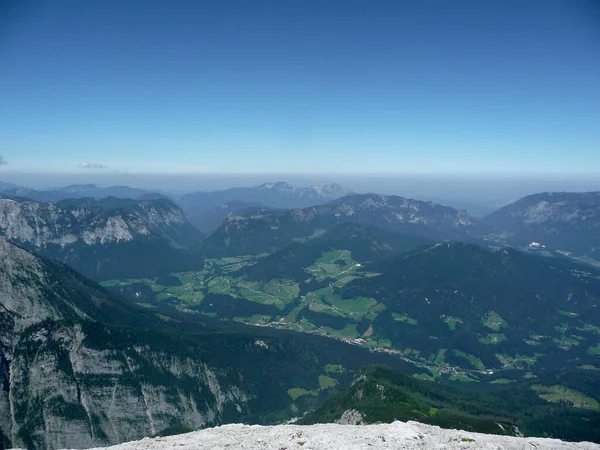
(278, 186)
(331, 191)
(279, 195)
(566, 221)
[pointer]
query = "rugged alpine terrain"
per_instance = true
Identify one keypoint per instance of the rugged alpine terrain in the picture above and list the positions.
(567, 221)
(104, 238)
(497, 341)
(81, 368)
(397, 435)
(263, 230)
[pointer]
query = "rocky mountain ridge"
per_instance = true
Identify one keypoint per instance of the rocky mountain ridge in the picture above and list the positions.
(89, 221)
(92, 234)
(568, 221)
(255, 231)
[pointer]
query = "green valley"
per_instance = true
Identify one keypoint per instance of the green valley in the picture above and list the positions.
(332, 293)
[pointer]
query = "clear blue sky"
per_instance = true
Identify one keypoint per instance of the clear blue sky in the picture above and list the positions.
(456, 86)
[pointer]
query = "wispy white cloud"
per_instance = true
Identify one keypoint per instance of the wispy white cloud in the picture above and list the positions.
(3, 162)
(91, 165)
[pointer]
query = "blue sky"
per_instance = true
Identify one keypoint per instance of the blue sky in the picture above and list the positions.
(431, 86)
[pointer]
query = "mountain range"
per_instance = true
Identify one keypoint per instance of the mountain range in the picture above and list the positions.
(492, 321)
(210, 219)
(259, 230)
(270, 195)
(104, 238)
(559, 221)
(73, 191)
(566, 221)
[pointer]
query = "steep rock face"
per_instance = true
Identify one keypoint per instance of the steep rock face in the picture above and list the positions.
(20, 299)
(560, 220)
(69, 382)
(34, 292)
(66, 392)
(98, 237)
(260, 229)
(91, 221)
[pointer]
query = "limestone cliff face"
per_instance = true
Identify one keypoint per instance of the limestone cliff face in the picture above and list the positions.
(69, 381)
(65, 393)
(104, 238)
(91, 221)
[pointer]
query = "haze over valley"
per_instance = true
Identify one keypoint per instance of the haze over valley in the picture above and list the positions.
(299, 225)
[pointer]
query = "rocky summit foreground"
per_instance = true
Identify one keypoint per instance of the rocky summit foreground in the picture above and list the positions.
(397, 435)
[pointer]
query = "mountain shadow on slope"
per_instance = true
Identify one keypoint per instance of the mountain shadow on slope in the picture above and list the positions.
(365, 243)
(467, 299)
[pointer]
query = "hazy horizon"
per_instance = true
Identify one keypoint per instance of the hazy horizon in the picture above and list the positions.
(470, 103)
(465, 87)
(478, 194)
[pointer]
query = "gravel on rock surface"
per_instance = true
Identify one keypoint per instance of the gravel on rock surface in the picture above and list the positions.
(397, 435)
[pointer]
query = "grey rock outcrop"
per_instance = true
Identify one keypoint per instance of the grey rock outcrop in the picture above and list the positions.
(104, 238)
